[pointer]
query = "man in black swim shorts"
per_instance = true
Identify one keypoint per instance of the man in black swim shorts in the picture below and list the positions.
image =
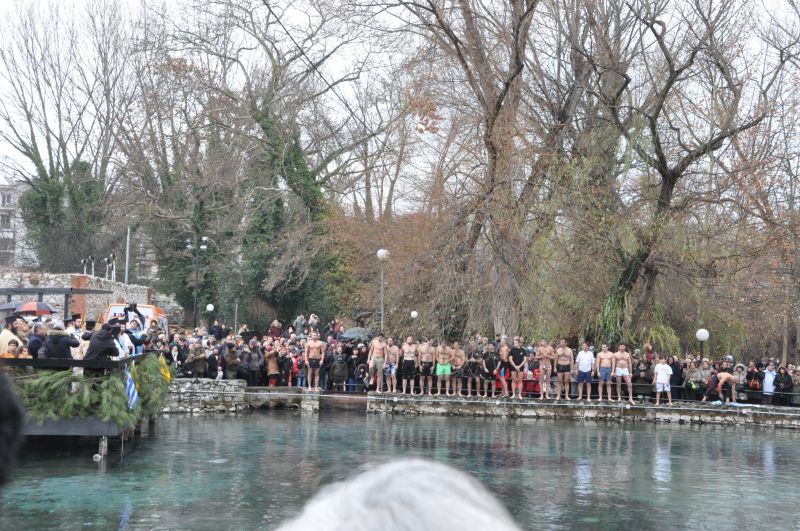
(426, 354)
(517, 362)
(565, 362)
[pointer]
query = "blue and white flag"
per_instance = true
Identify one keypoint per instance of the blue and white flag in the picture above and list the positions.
(130, 388)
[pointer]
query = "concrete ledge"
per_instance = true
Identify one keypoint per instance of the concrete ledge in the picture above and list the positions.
(682, 413)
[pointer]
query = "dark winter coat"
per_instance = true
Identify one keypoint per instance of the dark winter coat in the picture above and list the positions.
(783, 383)
(101, 346)
(35, 342)
(58, 343)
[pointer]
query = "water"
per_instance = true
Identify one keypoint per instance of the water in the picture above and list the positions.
(252, 472)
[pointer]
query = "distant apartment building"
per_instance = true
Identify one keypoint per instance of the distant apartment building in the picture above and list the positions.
(8, 236)
(17, 253)
(14, 252)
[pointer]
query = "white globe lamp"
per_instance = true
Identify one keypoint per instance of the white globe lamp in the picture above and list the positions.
(702, 336)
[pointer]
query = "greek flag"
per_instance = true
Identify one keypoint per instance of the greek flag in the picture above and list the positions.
(130, 388)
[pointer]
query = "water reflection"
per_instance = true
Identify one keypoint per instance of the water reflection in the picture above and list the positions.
(252, 472)
(662, 467)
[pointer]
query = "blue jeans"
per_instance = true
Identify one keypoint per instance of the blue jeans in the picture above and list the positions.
(302, 381)
(323, 378)
(351, 384)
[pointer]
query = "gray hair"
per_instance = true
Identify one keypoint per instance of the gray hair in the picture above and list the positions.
(405, 495)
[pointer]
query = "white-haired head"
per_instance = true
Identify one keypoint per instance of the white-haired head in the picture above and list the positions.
(405, 495)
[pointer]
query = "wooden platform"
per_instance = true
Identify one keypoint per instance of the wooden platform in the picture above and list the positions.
(75, 427)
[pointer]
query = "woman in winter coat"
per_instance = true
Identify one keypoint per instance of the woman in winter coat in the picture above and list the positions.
(273, 369)
(754, 382)
(642, 378)
(232, 361)
(783, 387)
(795, 398)
(196, 361)
(58, 342)
(275, 330)
(739, 370)
(252, 359)
(693, 382)
(676, 380)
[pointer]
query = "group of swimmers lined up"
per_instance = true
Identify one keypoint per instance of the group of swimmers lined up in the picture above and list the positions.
(487, 363)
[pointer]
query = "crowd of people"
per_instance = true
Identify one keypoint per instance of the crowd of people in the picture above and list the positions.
(480, 367)
(297, 355)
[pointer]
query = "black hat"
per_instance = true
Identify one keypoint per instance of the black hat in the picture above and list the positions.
(11, 319)
(90, 324)
(113, 322)
(75, 317)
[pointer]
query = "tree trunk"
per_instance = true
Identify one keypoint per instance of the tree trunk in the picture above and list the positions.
(634, 319)
(505, 307)
(787, 319)
(612, 314)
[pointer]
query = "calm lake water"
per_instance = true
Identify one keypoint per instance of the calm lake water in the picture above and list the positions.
(252, 472)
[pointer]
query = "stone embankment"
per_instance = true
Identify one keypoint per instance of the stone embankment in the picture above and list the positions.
(203, 396)
(682, 413)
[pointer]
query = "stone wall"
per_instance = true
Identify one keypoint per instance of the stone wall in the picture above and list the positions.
(91, 306)
(204, 396)
(685, 413)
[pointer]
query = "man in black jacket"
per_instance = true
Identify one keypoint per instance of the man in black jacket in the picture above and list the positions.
(58, 342)
(103, 344)
(36, 340)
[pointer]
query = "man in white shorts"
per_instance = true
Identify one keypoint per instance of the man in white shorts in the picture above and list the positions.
(622, 359)
(661, 375)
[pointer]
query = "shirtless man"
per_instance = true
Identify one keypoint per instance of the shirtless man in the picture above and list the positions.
(390, 369)
(314, 356)
(545, 354)
(622, 370)
(517, 361)
(444, 358)
(459, 361)
(426, 353)
(489, 374)
(409, 353)
(565, 364)
(729, 380)
(604, 366)
(375, 361)
(504, 369)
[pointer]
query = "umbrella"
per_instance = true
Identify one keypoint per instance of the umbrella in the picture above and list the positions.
(363, 314)
(9, 306)
(36, 308)
(356, 334)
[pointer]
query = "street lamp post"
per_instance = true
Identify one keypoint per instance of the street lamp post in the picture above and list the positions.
(702, 337)
(196, 252)
(383, 257)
